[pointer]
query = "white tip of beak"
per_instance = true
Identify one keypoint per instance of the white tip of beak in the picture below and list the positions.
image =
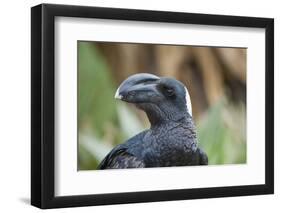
(117, 95)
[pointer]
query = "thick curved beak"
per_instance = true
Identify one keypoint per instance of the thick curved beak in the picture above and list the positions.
(138, 88)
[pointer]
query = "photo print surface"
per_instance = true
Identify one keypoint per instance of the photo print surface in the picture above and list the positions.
(158, 105)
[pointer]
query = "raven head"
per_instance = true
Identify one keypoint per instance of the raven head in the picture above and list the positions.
(160, 97)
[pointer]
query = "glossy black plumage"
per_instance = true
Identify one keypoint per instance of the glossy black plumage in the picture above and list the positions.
(171, 140)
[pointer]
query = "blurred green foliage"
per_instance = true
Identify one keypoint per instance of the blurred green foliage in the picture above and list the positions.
(222, 134)
(96, 107)
(96, 89)
(104, 122)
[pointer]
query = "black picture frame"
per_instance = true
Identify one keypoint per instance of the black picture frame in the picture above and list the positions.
(43, 102)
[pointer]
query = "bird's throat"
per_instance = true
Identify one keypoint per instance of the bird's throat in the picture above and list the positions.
(157, 117)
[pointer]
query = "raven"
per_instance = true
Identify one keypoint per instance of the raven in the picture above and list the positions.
(171, 139)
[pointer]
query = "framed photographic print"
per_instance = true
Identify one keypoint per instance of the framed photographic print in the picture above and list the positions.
(139, 106)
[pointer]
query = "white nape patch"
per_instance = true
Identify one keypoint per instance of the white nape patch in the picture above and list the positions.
(117, 95)
(188, 102)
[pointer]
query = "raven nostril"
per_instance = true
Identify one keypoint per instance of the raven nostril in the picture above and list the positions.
(131, 93)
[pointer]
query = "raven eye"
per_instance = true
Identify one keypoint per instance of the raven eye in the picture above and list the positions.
(169, 91)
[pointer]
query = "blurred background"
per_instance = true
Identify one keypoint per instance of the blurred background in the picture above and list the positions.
(215, 78)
